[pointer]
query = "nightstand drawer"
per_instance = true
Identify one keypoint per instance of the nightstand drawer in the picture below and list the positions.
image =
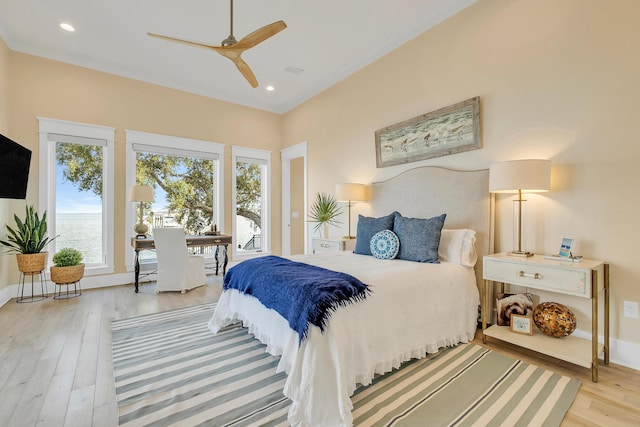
(574, 281)
(327, 245)
(320, 245)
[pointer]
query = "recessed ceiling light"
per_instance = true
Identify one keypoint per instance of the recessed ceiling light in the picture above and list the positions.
(270, 88)
(67, 27)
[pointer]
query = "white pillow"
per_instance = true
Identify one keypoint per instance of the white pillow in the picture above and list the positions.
(458, 246)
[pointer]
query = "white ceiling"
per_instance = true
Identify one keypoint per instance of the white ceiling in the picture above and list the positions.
(328, 39)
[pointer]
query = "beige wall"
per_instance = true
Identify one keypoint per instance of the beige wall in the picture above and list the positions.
(4, 86)
(4, 129)
(41, 87)
(557, 80)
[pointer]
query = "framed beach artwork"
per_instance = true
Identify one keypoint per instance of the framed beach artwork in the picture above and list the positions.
(449, 130)
(565, 247)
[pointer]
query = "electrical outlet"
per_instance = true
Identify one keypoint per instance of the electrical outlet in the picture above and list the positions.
(631, 309)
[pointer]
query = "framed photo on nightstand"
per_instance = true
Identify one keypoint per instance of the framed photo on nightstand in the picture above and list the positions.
(521, 324)
(565, 247)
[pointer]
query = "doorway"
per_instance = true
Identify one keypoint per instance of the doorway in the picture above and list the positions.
(294, 199)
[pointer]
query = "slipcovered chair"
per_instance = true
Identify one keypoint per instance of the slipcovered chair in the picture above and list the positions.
(177, 269)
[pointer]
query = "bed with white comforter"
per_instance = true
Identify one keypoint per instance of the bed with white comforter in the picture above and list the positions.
(413, 309)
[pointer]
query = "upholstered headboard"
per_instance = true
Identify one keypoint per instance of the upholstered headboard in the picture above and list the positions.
(429, 191)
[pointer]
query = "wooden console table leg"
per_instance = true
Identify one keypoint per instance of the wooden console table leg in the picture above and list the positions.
(483, 313)
(137, 270)
(217, 260)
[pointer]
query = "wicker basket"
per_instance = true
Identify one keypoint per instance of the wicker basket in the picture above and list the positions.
(66, 275)
(32, 263)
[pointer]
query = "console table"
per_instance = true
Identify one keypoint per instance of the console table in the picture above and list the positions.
(585, 279)
(219, 241)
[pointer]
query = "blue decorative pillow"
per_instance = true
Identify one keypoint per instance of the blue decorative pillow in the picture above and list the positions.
(419, 238)
(385, 245)
(367, 227)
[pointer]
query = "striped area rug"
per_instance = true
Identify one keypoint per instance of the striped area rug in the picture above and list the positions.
(171, 370)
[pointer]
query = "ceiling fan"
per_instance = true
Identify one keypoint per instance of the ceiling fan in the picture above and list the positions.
(232, 49)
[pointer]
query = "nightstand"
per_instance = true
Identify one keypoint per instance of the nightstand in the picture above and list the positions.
(331, 244)
(585, 279)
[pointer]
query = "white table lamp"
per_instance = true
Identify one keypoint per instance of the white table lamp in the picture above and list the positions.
(520, 176)
(142, 194)
(350, 193)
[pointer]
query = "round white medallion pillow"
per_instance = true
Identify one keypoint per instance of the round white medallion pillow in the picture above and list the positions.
(384, 244)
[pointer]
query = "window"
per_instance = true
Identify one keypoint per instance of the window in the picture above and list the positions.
(76, 189)
(251, 201)
(186, 176)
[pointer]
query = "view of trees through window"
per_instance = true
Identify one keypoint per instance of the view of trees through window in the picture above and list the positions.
(249, 188)
(183, 188)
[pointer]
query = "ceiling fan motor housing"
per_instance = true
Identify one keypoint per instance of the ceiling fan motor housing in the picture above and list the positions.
(229, 41)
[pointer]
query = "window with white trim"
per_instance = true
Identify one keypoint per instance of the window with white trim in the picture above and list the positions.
(76, 189)
(251, 201)
(187, 179)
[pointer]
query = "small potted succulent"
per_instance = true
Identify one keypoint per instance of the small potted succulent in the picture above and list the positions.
(68, 266)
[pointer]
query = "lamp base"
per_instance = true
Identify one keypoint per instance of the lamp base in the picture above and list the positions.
(521, 254)
(141, 229)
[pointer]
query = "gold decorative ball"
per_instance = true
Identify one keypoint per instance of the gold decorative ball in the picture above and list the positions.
(554, 319)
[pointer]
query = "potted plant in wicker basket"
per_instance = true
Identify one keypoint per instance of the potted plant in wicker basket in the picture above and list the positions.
(68, 266)
(28, 240)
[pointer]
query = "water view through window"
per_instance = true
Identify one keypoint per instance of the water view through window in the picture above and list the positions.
(78, 221)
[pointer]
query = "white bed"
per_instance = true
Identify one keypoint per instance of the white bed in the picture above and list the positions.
(414, 309)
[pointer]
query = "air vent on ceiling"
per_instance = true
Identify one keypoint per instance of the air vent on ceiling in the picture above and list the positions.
(294, 70)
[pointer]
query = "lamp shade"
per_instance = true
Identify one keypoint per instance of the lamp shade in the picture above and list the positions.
(532, 176)
(350, 193)
(141, 193)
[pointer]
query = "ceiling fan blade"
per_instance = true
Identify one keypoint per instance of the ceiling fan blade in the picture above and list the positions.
(187, 42)
(246, 71)
(260, 35)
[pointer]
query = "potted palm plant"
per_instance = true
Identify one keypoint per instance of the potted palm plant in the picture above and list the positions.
(68, 266)
(324, 212)
(28, 240)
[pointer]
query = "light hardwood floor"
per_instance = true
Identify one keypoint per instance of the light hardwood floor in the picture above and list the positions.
(56, 368)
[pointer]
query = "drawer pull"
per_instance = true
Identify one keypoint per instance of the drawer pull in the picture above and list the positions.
(533, 275)
(324, 245)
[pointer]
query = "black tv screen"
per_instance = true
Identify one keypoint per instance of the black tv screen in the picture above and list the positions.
(14, 169)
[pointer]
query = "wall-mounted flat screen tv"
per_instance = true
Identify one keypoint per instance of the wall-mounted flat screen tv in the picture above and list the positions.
(14, 169)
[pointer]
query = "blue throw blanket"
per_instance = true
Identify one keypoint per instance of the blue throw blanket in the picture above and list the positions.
(301, 293)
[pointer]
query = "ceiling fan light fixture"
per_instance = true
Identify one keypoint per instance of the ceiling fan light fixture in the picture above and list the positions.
(270, 88)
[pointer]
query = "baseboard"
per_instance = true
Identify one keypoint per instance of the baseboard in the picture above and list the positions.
(623, 353)
(88, 282)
